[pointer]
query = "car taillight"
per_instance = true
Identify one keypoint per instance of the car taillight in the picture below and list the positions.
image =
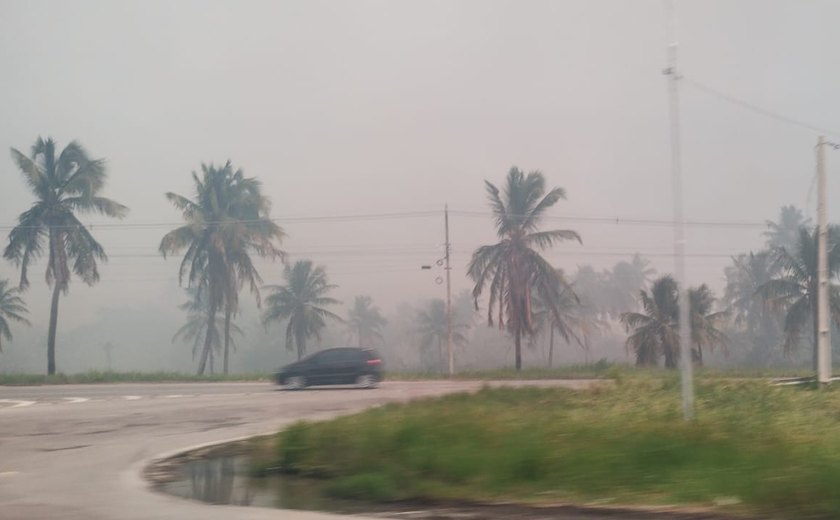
(374, 361)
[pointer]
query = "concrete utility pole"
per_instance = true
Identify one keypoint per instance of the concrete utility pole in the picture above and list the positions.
(823, 353)
(679, 220)
(448, 296)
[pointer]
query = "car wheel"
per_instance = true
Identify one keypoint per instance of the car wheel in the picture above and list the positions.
(366, 381)
(295, 383)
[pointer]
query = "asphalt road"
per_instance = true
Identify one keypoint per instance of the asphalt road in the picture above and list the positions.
(76, 452)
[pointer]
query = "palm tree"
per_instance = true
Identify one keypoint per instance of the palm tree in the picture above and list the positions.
(302, 302)
(194, 329)
(624, 283)
(432, 328)
(794, 289)
(654, 331)
(513, 268)
(365, 321)
(64, 187)
(785, 232)
(12, 308)
(705, 324)
(226, 222)
(569, 317)
(752, 313)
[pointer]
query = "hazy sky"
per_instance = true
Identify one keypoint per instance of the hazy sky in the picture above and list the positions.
(381, 107)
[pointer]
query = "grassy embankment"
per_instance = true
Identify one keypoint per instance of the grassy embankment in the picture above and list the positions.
(753, 448)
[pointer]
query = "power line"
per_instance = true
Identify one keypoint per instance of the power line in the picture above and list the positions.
(314, 219)
(755, 108)
(277, 220)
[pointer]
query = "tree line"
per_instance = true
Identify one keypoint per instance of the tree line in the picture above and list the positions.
(770, 296)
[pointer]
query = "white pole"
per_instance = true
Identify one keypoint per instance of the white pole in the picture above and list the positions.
(679, 223)
(448, 297)
(823, 328)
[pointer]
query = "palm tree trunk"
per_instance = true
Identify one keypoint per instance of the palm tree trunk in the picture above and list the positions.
(517, 335)
(301, 345)
(550, 347)
(227, 341)
(208, 338)
(440, 354)
(53, 327)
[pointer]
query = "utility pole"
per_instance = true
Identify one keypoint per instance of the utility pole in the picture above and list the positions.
(679, 220)
(823, 353)
(448, 295)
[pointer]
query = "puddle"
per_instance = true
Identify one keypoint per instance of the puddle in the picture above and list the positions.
(226, 480)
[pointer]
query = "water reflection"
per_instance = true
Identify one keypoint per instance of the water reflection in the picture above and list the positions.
(225, 480)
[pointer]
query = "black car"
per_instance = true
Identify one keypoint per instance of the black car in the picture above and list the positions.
(335, 366)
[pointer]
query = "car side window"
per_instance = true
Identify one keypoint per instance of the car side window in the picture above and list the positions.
(351, 356)
(330, 356)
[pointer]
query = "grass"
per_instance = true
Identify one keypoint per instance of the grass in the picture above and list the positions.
(605, 370)
(96, 376)
(771, 451)
(598, 370)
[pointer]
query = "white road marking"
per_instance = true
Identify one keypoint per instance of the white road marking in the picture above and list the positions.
(131, 397)
(176, 396)
(74, 400)
(18, 403)
(8, 473)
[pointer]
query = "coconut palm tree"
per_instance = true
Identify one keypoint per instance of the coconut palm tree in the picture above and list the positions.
(513, 269)
(64, 186)
(794, 288)
(194, 329)
(226, 223)
(655, 330)
(565, 318)
(705, 324)
(752, 313)
(302, 302)
(624, 283)
(12, 308)
(432, 329)
(785, 232)
(365, 322)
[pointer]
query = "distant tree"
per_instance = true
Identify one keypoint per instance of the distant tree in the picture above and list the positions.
(785, 232)
(624, 283)
(195, 328)
(64, 187)
(592, 289)
(365, 322)
(565, 318)
(302, 302)
(432, 328)
(752, 313)
(226, 223)
(794, 288)
(513, 269)
(654, 330)
(12, 309)
(706, 325)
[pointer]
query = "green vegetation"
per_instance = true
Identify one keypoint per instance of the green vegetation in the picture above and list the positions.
(96, 376)
(759, 448)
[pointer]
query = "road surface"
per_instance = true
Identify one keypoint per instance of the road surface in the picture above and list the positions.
(76, 452)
